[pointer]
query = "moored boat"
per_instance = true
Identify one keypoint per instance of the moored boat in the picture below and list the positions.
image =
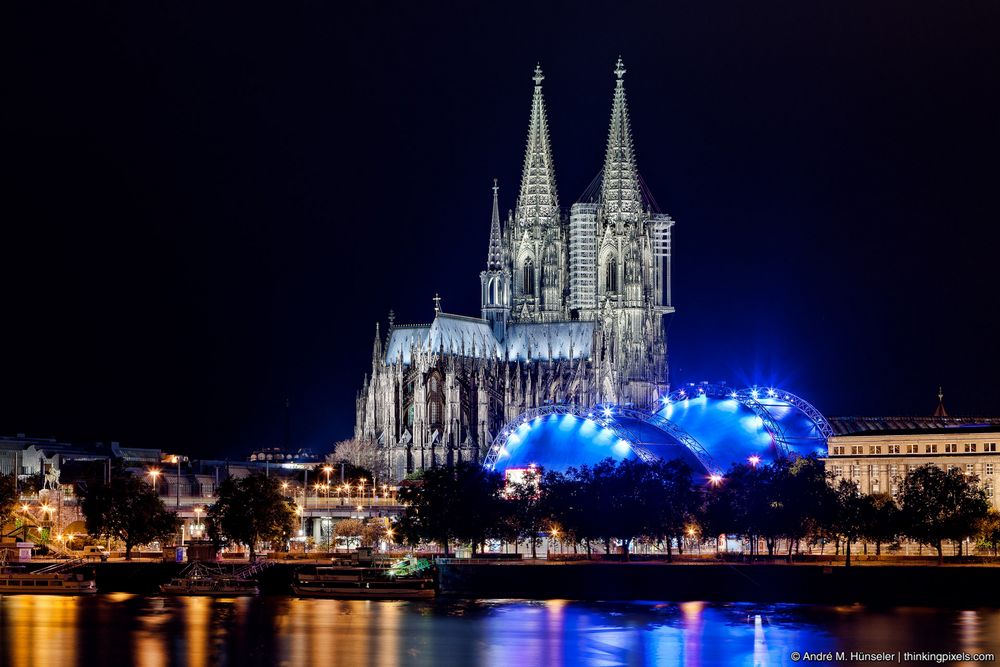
(55, 579)
(404, 580)
(199, 579)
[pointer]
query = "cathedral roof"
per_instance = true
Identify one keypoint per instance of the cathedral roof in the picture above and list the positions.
(473, 337)
(542, 340)
(455, 334)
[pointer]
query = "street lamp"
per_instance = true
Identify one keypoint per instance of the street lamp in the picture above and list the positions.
(154, 473)
(754, 460)
(284, 488)
(715, 479)
(361, 482)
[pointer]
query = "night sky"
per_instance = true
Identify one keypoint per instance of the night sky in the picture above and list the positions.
(207, 209)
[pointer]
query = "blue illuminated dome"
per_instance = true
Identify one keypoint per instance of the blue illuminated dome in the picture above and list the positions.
(709, 427)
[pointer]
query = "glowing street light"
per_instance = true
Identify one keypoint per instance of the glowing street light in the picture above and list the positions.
(154, 473)
(25, 507)
(754, 460)
(715, 479)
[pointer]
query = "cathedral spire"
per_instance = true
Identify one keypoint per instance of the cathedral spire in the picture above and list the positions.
(538, 202)
(620, 192)
(494, 258)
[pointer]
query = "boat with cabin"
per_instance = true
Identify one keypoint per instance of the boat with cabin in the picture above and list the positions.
(202, 579)
(55, 579)
(405, 579)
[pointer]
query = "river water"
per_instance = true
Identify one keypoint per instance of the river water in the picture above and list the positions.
(123, 629)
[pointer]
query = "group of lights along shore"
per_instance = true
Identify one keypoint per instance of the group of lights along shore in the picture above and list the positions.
(567, 363)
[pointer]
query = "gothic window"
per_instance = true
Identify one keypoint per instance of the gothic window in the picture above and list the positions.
(493, 297)
(529, 278)
(611, 276)
(435, 401)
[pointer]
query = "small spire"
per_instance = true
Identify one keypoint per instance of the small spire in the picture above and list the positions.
(539, 77)
(437, 303)
(392, 319)
(494, 257)
(940, 411)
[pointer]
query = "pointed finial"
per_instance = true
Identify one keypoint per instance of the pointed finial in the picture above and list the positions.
(940, 395)
(495, 188)
(392, 318)
(620, 69)
(437, 303)
(539, 77)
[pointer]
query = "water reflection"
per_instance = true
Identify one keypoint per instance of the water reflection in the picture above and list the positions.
(198, 631)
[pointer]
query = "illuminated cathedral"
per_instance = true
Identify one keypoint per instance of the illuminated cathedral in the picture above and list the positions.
(573, 308)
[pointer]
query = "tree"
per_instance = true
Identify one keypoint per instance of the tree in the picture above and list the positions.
(8, 497)
(250, 510)
(807, 501)
(373, 532)
(360, 454)
(988, 530)
(525, 501)
(880, 522)
(672, 502)
(851, 509)
(447, 503)
(939, 505)
(349, 529)
(127, 509)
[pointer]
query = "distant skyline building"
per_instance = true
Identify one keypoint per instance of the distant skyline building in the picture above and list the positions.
(572, 312)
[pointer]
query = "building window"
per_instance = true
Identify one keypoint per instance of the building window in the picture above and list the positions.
(988, 468)
(951, 448)
(970, 468)
(894, 449)
(988, 488)
(857, 449)
(989, 446)
(893, 470)
(838, 451)
(930, 449)
(912, 449)
(949, 467)
(855, 471)
(838, 471)
(875, 449)
(970, 447)
(611, 276)
(528, 278)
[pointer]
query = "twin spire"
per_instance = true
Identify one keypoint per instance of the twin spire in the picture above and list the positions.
(620, 192)
(538, 202)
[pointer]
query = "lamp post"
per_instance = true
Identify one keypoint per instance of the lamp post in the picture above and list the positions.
(154, 473)
(328, 469)
(197, 514)
(361, 491)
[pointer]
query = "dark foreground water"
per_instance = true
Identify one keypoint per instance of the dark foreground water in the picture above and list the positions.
(123, 629)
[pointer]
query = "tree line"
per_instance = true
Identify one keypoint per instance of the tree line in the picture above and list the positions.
(792, 500)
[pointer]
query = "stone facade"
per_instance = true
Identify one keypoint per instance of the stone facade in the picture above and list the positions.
(879, 460)
(564, 319)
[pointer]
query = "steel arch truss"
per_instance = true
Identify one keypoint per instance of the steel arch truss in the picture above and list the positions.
(756, 399)
(606, 417)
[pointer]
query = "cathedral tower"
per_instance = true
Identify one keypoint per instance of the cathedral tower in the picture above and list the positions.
(495, 280)
(537, 247)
